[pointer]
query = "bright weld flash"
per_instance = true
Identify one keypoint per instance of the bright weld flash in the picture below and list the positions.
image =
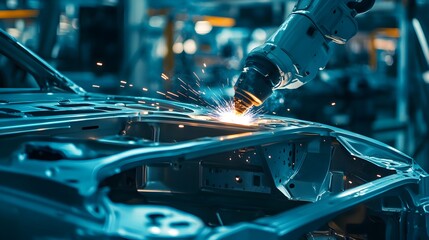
(232, 117)
(227, 114)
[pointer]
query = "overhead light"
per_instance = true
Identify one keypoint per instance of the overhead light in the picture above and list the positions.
(385, 44)
(203, 27)
(156, 21)
(14, 32)
(179, 25)
(190, 46)
(259, 34)
(12, 4)
(178, 48)
(161, 49)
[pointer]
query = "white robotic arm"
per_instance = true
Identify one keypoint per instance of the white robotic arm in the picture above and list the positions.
(295, 53)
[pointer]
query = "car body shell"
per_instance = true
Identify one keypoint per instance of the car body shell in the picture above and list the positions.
(64, 152)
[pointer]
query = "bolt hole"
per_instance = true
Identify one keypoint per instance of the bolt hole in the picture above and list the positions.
(155, 216)
(72, 181)
(291, 185)
(96, 209)
(179, 224)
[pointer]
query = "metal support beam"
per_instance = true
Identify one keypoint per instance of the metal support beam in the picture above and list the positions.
(136, 14)
(403, 74)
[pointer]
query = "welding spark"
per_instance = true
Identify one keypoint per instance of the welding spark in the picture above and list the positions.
(163, 76)
(181, 94)
(193, 98)
(172, 94)
(226, 113)
(170, 98)
(198, 78)
(220, 109)
(232, 117)
(194, 91)
(181, 81)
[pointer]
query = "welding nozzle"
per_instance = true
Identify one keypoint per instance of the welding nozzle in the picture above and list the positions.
(244, 100)
(255, 84)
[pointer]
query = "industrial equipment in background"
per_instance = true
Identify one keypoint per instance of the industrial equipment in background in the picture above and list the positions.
(81, 165)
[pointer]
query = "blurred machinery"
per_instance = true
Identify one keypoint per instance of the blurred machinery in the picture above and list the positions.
(191, 51)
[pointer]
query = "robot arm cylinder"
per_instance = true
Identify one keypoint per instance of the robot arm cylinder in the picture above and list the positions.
(295, 53)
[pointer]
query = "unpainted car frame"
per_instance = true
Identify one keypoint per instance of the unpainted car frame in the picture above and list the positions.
(67, 151)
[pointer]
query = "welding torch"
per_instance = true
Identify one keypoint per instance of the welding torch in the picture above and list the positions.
(299, 48)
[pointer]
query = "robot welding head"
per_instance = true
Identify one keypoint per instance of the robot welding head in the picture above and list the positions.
(299, 48)
(255, 83)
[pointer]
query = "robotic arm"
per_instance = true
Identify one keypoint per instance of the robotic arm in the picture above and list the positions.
(301, 47)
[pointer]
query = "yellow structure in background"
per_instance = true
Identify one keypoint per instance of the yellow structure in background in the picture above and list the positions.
(14, 14)
(377, 43)
(220, 21)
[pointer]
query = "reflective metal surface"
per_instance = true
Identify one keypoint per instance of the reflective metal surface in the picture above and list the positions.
(79, 165)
